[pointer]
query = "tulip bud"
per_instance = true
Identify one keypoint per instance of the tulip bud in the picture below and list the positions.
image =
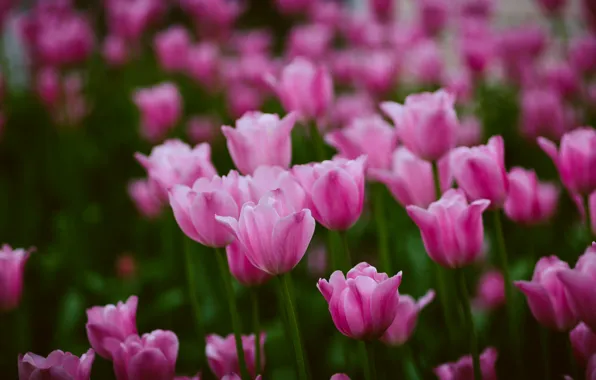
(223, 358)
(530, 201)
(160, 107)
(463, 368)
(12, 268)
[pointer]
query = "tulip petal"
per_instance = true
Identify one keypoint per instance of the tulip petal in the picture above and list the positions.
(150, 364)
(291, 237)
(336, 198)
(180, 200)
(384, 302)
(539, 302)
(203, 210)
(580, 289)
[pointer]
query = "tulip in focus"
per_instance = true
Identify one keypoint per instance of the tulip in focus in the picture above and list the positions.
(426, 123)
(145, 198)
(364, 303)
(12, 268)
(260, 139)
(583, 342)
(546, 295)
(405, 318)
(490, 291)
(241, 267)
(171, 48)
(463, 368)
(58, 365)
(160, 107)
(530, 201)
(222, 356)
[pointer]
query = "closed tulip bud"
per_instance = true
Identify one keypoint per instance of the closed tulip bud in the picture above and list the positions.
(335, 191)
(575, 159)
(309, 41)
(223, 358)
(490, 291)
(260, 139)
(152, 356)
(274, 234)
(405, 319)
(114, 51)
(176, 163)
(530, 201)
(422, 119)
(546, 295)
(160, 107)
(362, 304)
(463, 368)
(12, 268)
(269, 178)
(58, 365)
(583, 341)
(340, 376)
(480, 171)
(543, 114)
(145, 198)
(241, 267)
(370, 136)
(451, 229)
(108, 326)
(171, 48)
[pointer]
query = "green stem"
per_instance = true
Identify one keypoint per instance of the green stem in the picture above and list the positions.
(370, 370)
(332, 250)
(437, 180)
(379, 211)
(465, 302)
(589, 227)
(285, 284)
(347, 257)
(318, 141)
(409, 365)
(192, 288)
(226, 276)
(545, 343)
(256, 328)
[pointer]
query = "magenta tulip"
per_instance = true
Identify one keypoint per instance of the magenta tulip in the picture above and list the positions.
(335, 190)
(405, 318)
(145, 198)
(383, 10)
(543, 114)
(583, 341)
(432, 16)
(582, 54)
(469, 132)
(309, 41)
(202, 63)
(222, 356)
(152, 356)
(364, 304)
(426, 123)
(530, 201)
(58, 365)
(490, 291)
(171, 48)
(241, 267)
(108, 326)
(546, 295)
(12, 268)
(114, 51)
(452, 230)
(160, 107)
(463, 368)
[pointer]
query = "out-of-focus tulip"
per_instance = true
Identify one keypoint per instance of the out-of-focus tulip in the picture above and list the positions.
(115, 51)
(12, 268)
(253, 41)
(377, 71)
(108, 326)
(48, 86)
(546, 295)
(459, 83)
(242, 99)
(583, 341)
(364, 303)
(202, 62)
(426, 123)
(477, 9)
(530, 201)
(463, 368)
(309, 41)
(160, 107)
(126, 267)
(58, 365)
(260, 139)
(552, 7)
(171, 48)
(383, 10)
(223, 358)
(480, 171)
(201, 129)
(292, 7)
(335, 190)
(370, 136)
(425, 62)
(518, 48)
(562, 78)
(411, 179)
(269, 178)
(241, 268)
(476, 46)
(340, 376)
(579, 202)
(145, 198)
(543, 114)
(469, 132)
(348, 107)
(213, 18)
(575, 159)
(432, 16)
(274, 234)
(130, 19)
(405, 318)
(582, 54)
(152, 356)
(490, 291)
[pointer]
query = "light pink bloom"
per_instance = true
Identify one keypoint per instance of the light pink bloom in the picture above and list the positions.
(480, 171)
(145, 198)
(575, 159)
(57, 366)
(108, 326)
(309, 41)
(469, 132)
(377, 71)
(340, 376)
(274, 234)
(201, 129)
(426, 123)
(160, 107)
(583, 341)
(425, 62)
(364, 303)
(335, 190)
(223, 358)
(490, 291)
(463, 368)
(546, 295)
(12, 268)
(260, 139)
(202, 63)
(115, 51)
(405, 318)
(171, 48)
(529, 200)
(452, 230)
(543, 113)
(241, 268)
(269, 178)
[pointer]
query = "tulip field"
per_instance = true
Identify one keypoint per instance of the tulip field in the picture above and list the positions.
(296, 189)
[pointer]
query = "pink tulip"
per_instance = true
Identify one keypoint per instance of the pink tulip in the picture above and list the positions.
(253, 41)
(552, 7)
(469, 132)
(108, 326)
(241, 268)
(269, 178)
(260, 139)
(115, 51)
(171, 48)
(304, 88)
(582, 54)
(145, 198)
(546, 296)
(405, 319)
(335, 191)
(309, 41)
(195, 208)
(480, 171)
(340, 376)
(58, 365)
(152, 356)
(223, 358)
(201, 129)
(490, 291)
(12, 268)
(176, 163)
(160, 107)
(377, 71)
(411, 179)
(425, 62)
(130, 19)
(530, 201)
(518, 48)
(383, 10)
(432, 16)
(364, 304)
(370, 136)
(459, 83)
(426, 123)
(562, 78)
(214, 18)
(328, 13)
(476, 46)
(49, 86)
(575, 160)
(543, 114)
(274, 234)
(583, 341)
(348, 107)
(202, 62)
(477, 9)
(592, 208)
(463, 368)
(452, 230)
(242, 99)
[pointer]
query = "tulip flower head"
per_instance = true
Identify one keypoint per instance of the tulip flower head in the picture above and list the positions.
(58, 365)
(490, 293)
(223, 358)
(530, 201)
(463, 368)
(241, 267)
(583, 342)
(12, 268)
(160, 107)
(145, 198)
